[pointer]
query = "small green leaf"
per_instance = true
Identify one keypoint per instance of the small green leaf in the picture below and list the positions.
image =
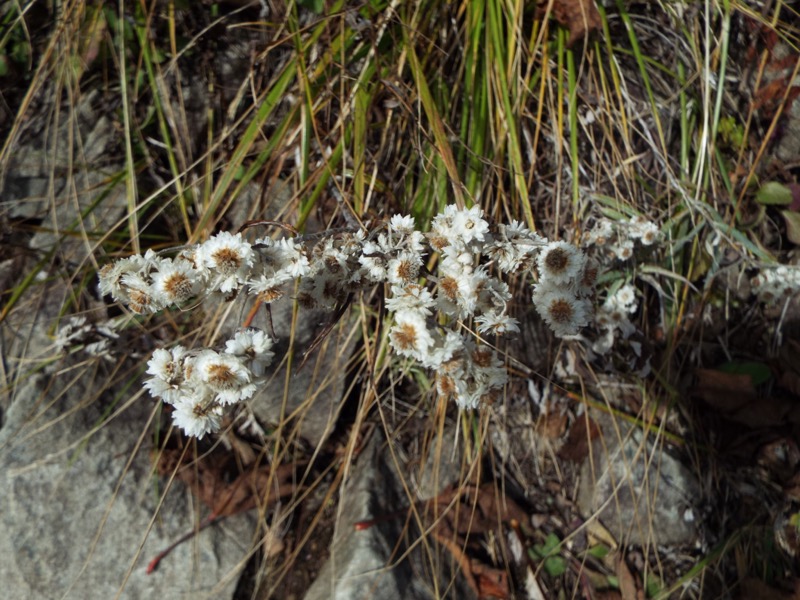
(3, 65)
(613, 581)
(792, 220)
(732, 131)
(774, 193)
(759, 372)
(600, 551)
(653, 586)
(555, 566)
(315, 6)
(551, 544)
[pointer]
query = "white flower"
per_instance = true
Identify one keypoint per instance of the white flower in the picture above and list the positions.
(416, 242)
(410, 297)
(561, 310)
(444, 348)
(468, 287)
(375, 267)
(623, 249)
(293, 258)
(229, 259)
(254, 346)
(410, 336)
(642, 229)
(487, 368)
(624, 299)
(467, 397)
(225, 375)
(456, 259)
(516, 230)
(268, 288)
(601, 234)
(497, 323)
(493, 294)
(167, 370)
(197, 416)
(468, 225)
(176, 281)
(611, 317)
(442, 223)
(560, 262)
(402, 224)
(508, 256)
(404, 269)
(111, 275)
(139, 294)
(380, 245)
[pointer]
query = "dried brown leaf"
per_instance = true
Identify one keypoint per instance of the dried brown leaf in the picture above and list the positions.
(755, 588)
(580, 17)
(210, 480)
(580, 437)
(727, 392)
(627, 582)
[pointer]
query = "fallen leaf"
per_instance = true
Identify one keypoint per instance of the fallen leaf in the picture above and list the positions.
(792, 221)
(755, 588)
(772, 193)
(726, 392)
(627, 582)
(210, 479)
(552, 425)
(463, 512)
(583, 431)
(580, 17)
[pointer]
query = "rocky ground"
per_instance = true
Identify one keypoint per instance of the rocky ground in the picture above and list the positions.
(581, 482)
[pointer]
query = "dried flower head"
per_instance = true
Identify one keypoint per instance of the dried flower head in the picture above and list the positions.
(560, 263)
(228, 258)
(225, 375)
(197, 416)
(561, 310)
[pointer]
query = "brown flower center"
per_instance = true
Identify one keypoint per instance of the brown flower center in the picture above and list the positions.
(556, 260)
(561, 311)
(221, 376)
(177, 286)
(227, 259)
(404, 336)
(449, 287)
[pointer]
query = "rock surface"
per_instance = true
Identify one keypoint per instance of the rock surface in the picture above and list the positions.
(369, 563)
(640, 493)
(314, 391)
(79, 501)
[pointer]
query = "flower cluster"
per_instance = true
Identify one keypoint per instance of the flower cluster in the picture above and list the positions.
(566, 281)
(198, 384)
(615, 311)
(618, 239)
(438, 315)
(776, 283)
(610, 242)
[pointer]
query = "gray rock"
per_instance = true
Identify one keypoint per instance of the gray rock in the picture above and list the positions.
(76, 482)
(441, 466)
(640, 493)
(315, 389)
(79, 500)
(370, 563)
(59, 173)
